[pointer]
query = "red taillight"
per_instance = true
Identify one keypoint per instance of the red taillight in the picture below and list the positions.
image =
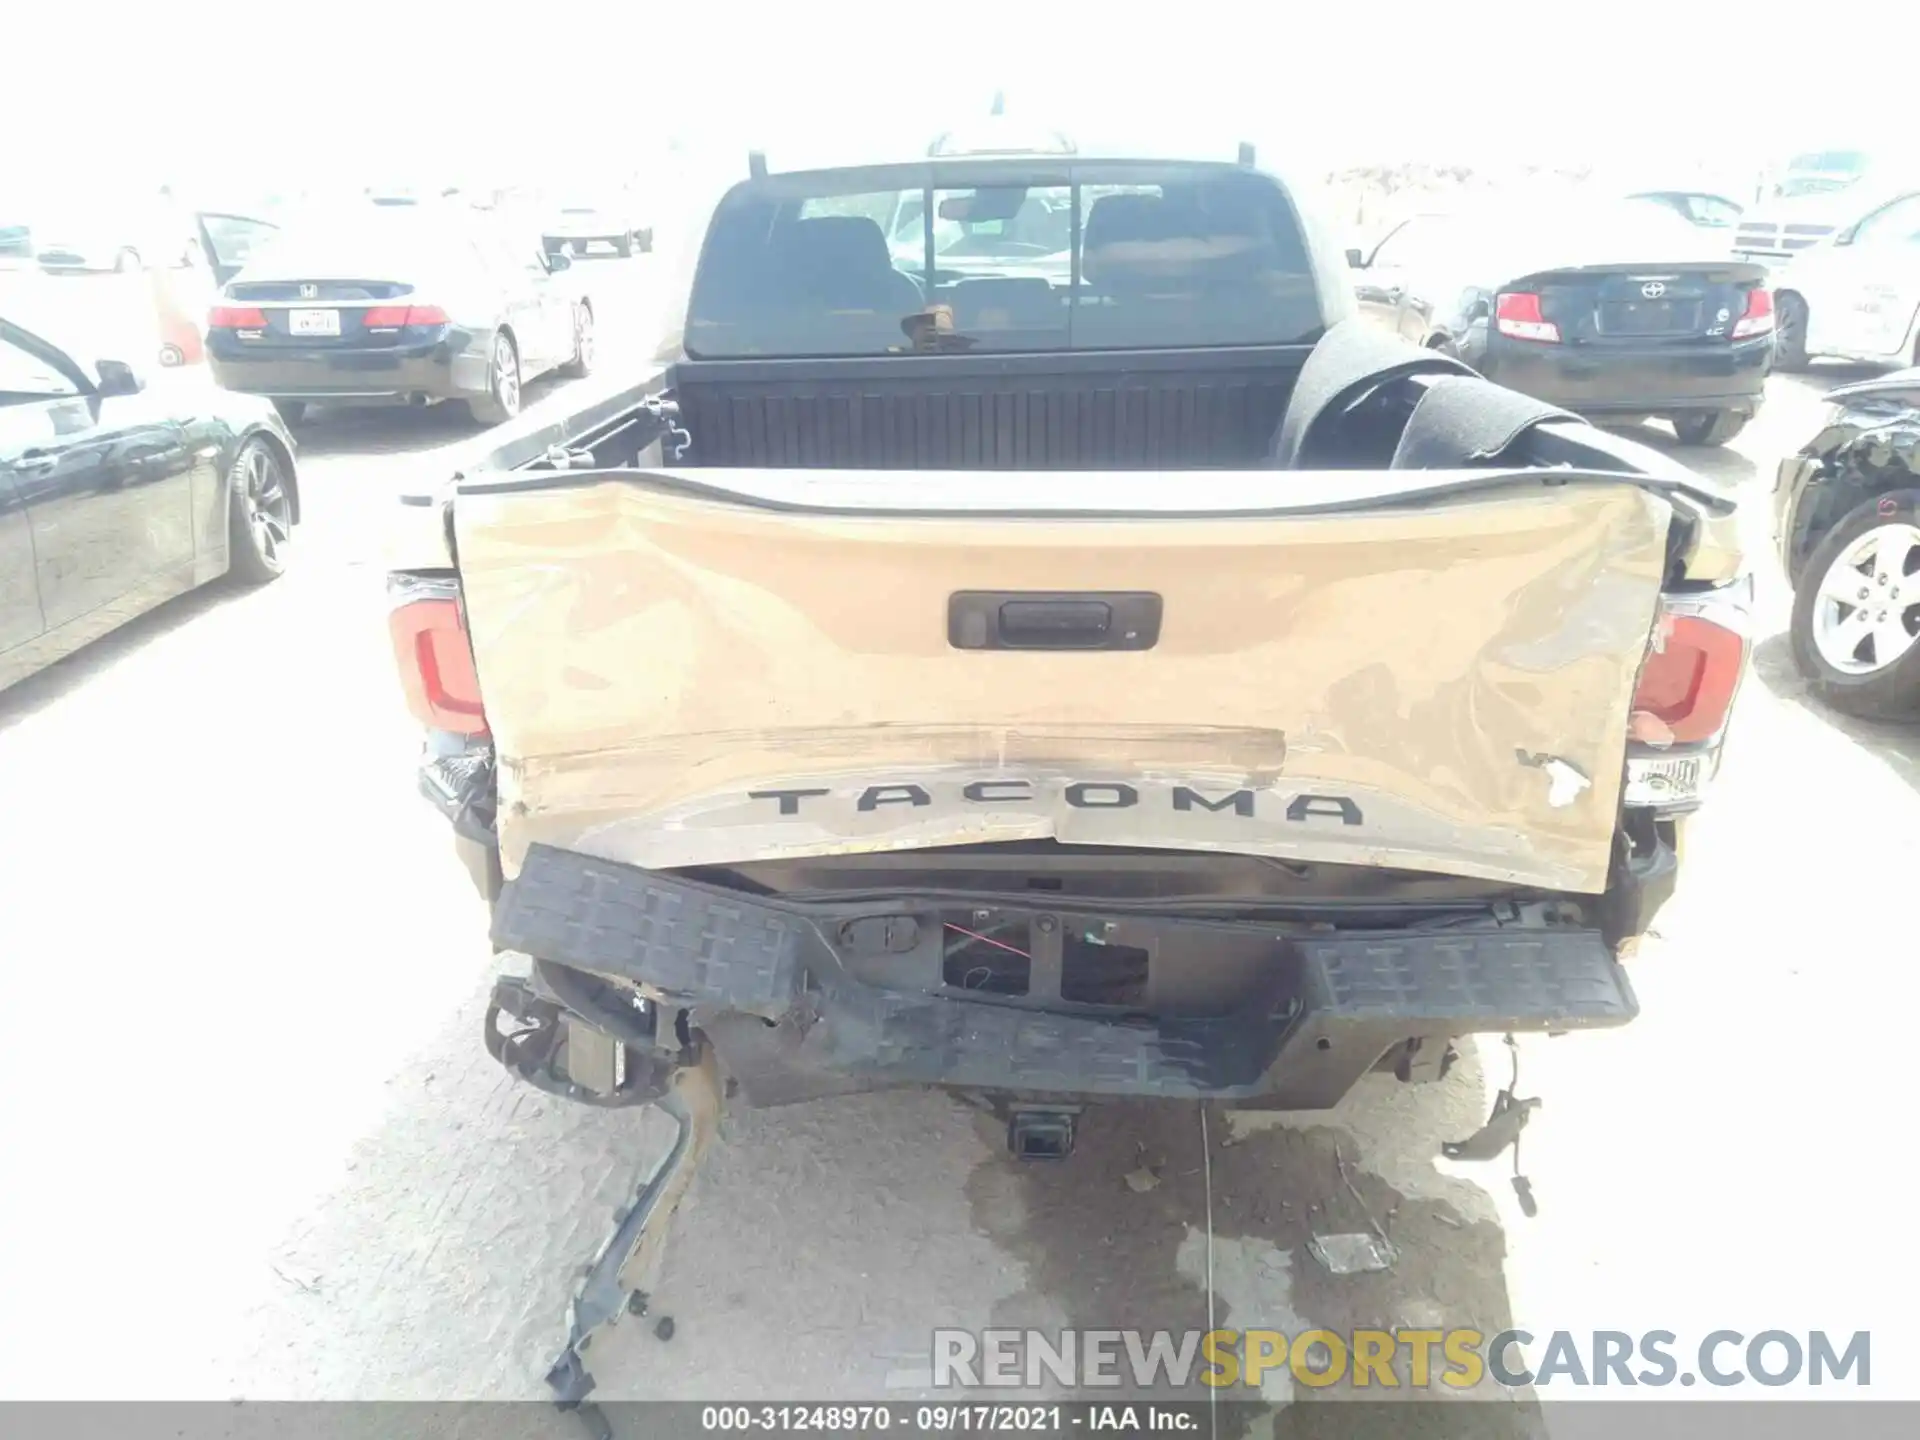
(393, 317)
(1688, 682)
(1517, 316)
(1758, 319)
(430, 647)
(236, 317)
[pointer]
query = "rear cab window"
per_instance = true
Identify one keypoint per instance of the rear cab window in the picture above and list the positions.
(1033, 255)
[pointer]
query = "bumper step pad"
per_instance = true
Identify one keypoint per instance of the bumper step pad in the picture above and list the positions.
(1349, 1000)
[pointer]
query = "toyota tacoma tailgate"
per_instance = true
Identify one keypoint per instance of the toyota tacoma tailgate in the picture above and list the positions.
(704, 668)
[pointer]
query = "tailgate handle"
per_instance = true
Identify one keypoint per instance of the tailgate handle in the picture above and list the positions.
(1048, 623)
(1017, 620)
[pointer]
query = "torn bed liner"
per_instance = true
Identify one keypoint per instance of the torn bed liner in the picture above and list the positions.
(1414, 685)
(1334, 1003)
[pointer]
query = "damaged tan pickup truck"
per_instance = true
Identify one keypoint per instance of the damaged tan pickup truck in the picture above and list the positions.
(1025, 637)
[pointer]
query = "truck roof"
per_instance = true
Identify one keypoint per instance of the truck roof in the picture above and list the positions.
(978, 163)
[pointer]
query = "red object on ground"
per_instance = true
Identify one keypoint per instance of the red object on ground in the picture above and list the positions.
(179, 310)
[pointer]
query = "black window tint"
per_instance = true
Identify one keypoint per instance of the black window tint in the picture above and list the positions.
(1167, 257)
(812, 277)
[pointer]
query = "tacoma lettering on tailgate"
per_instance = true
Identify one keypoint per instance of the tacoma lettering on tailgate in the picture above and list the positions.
(1078, 795)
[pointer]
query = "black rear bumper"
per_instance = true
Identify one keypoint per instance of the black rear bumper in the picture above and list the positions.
(438, 369)
(801, 1001)
(1635, 379)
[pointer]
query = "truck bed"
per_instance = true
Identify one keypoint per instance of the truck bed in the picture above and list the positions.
(1114, 410)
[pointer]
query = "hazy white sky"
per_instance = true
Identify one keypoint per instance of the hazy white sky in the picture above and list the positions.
(358, 91)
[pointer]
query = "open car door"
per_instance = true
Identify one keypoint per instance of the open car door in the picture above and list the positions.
(228, 241)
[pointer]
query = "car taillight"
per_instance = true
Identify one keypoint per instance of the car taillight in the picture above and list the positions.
(1688, 682)
(394, 317)
(236, 317)
(435, 661)
(1758, 319)
(1684, 696)
(1517, 316)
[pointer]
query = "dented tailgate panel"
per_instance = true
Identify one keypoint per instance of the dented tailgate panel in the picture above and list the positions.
(672, 679)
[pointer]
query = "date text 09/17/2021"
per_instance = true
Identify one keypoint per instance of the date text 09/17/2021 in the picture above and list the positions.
(955, 1418)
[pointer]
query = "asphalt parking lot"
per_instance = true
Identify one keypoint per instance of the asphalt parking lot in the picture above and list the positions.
(246, 1078)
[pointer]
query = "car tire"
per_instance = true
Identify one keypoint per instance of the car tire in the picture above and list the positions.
(1818, 634)
(260, 514)
(291, 411)
(1790, 333)
(581, 365)
(643, 241)
(1709, 427)
(502, 400)
(624, 245)
(126, 261)
(172, 357)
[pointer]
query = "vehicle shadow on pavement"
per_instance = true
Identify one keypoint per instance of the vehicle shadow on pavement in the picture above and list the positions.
(1719, 462)
(1896, 745)
(344, 430)
(42, 690)
(1817, 380)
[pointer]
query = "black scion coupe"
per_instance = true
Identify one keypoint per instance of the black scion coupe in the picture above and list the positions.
(1618, 310)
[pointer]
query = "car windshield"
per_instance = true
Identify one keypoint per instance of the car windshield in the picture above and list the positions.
(1087, 257)
(1844, 161)
(1588, 233)
(1640, 225)
(1041, 225)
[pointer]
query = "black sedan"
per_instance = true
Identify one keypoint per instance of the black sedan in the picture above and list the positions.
(1846, 519)
(1619, 311)
(398, 305)
(119, 491)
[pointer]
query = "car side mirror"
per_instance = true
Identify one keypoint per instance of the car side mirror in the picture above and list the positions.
(1357, 260)
(557, 262)
(118, 378)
